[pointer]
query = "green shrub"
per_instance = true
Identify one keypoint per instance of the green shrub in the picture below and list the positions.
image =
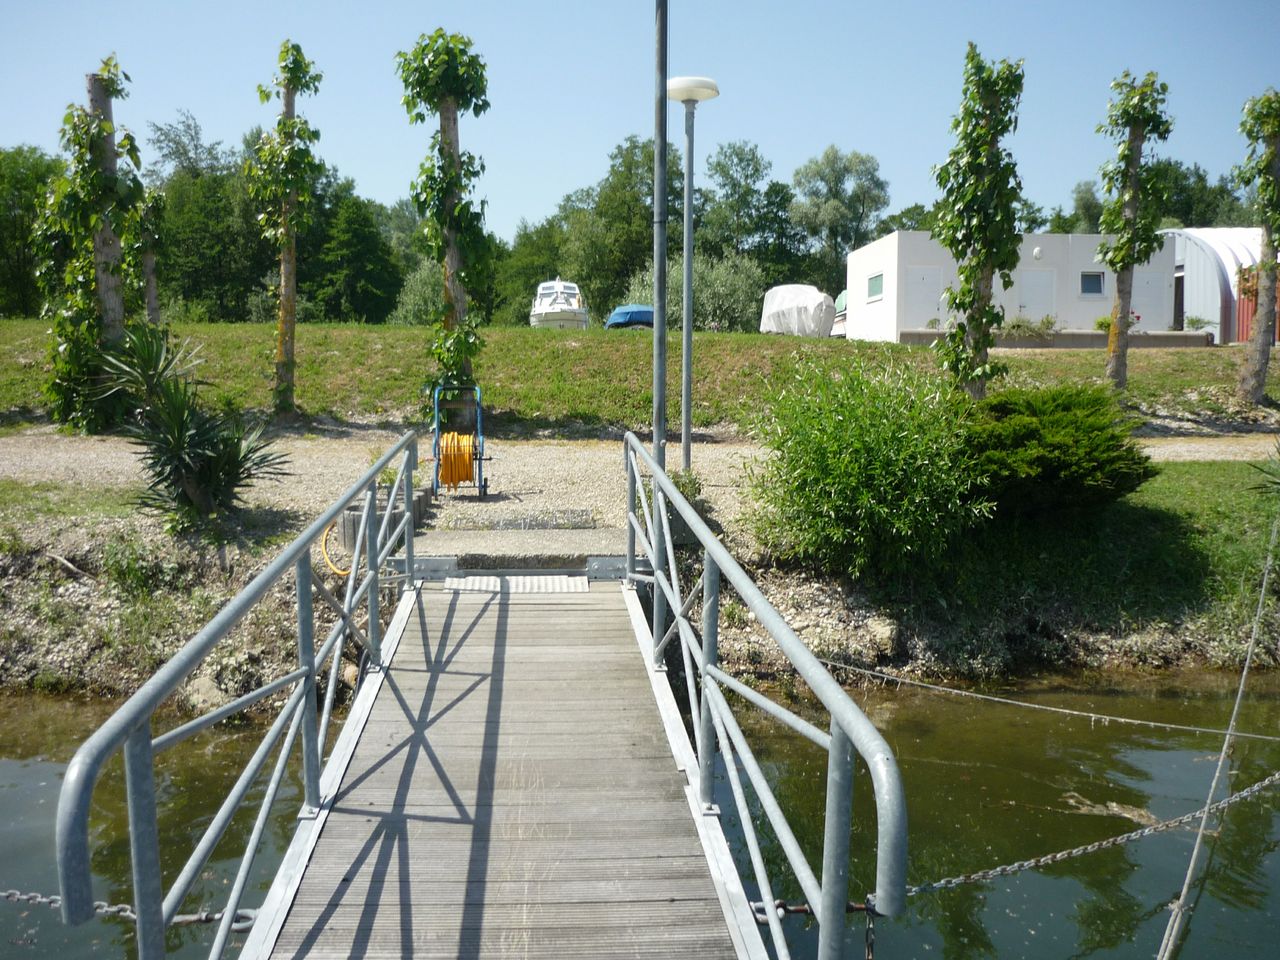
(871, 471)
(197, 460)
(1056, 448)
(421, 300)
(727, 292)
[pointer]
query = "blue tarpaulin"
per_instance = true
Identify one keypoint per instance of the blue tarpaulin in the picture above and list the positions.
(630, 315)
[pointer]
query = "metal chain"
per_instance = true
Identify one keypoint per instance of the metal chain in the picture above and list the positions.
(244, 918)
(1011, 868)
(54, 902)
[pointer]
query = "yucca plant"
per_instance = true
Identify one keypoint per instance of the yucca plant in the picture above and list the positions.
(198, 461)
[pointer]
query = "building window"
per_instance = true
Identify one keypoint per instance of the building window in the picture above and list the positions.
(1091, 284)
(875, 287)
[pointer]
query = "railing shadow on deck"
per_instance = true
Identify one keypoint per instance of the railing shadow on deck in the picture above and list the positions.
(651, 499)
(129, 729)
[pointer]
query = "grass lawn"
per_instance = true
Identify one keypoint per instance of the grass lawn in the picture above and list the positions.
(550, 378)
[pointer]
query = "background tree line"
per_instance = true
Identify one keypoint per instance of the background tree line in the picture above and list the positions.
(363, 261)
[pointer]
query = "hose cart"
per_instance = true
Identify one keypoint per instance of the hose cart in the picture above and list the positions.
(459, 457)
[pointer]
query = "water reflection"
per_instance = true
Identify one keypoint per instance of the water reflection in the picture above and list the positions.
(37, 738)
(988, 785)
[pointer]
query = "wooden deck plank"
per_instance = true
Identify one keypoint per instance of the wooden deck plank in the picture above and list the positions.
(513, 794)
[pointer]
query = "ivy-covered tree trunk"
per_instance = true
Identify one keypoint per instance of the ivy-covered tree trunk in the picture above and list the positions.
(285, 326)
(1252, 387)
(978, 334)
(1118, 335)
(106, 242)
(455, 294)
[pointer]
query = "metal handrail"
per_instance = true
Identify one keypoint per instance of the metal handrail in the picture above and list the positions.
(129, 728)
(715, 728)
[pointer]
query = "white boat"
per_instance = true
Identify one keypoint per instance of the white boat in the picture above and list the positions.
(558, 304)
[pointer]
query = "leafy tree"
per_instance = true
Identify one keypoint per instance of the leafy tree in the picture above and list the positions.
(977, 216)
(25, 175)
(535, 257)
(727, 291)
(1060, 221)
(1188, 198)
(421, 299)
(180, 148)
(1135, 117)
(915, 217)
(781, 248)
(1031, 217)
(735, 207)
(280, 173)
(211, 244)
(1261, 170)
(1086, 208)
(839, 198)
(360, 279)
(87, 210)
(609, 228)
(402, 228)
(442, 76)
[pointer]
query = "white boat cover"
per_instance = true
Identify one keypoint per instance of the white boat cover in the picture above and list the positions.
(797, 309)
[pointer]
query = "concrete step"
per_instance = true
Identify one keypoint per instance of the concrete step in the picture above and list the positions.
(599, 551)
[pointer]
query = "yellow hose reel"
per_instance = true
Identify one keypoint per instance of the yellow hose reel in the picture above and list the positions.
(459, 456)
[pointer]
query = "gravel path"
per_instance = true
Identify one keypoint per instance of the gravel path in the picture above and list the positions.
(528, 478)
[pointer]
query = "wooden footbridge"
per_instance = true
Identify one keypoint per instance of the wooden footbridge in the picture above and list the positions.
(515, 777)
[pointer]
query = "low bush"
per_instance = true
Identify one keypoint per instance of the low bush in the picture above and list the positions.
(421, 301)
(872, 471)
(1055, 448)
(197, 460)
(727, 292)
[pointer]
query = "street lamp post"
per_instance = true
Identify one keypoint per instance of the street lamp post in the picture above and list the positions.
(690, 91)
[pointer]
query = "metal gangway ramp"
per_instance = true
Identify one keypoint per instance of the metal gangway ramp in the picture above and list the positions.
(512, 793)
(514, 777)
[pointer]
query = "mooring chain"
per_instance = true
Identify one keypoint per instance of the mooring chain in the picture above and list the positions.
(124, 910)
(244, 918)
(1009, 869)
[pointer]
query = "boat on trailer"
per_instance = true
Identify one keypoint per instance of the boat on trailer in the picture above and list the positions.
(558, 304)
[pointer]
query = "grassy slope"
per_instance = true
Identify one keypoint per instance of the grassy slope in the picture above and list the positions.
(593, 377)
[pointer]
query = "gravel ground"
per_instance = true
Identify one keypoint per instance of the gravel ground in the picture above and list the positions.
(526, 476)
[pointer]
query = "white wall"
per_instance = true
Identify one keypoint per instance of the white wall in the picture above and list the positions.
(1047, 281)
(872, 317)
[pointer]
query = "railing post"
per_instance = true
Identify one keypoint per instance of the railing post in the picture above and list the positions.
(835, 846)
(659, 506)
(631, 511)
(410, 459)
(307, 660)
(371, 553)
(711, 658)
(144, 843)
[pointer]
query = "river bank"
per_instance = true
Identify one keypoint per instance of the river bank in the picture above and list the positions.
(95, 594)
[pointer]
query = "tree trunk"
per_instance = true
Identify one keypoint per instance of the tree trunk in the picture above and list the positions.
(151, 290)
(283, 393)
(1118, 336)
(976, 333)
(455, 294)
(1252, 386)
(462, 419)
(106, 243)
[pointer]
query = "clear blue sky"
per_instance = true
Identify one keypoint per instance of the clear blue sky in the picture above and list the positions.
(569, 80)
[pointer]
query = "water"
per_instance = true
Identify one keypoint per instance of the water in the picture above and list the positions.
(988, 785)
(985, 785)
(38, 736)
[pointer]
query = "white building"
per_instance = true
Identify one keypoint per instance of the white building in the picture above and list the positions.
(897, 284)
(1207, 263)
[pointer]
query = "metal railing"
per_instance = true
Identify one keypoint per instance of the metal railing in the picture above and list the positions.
(716, 729)
(129, 728)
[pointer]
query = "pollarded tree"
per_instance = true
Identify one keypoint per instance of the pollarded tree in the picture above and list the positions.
(1261, 126)
(281, 172)
(442, 76)
(88, 209)
(1134, 186)
(977, 216)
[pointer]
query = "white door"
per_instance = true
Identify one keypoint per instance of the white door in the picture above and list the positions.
(1035, 294)
(922, 293)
